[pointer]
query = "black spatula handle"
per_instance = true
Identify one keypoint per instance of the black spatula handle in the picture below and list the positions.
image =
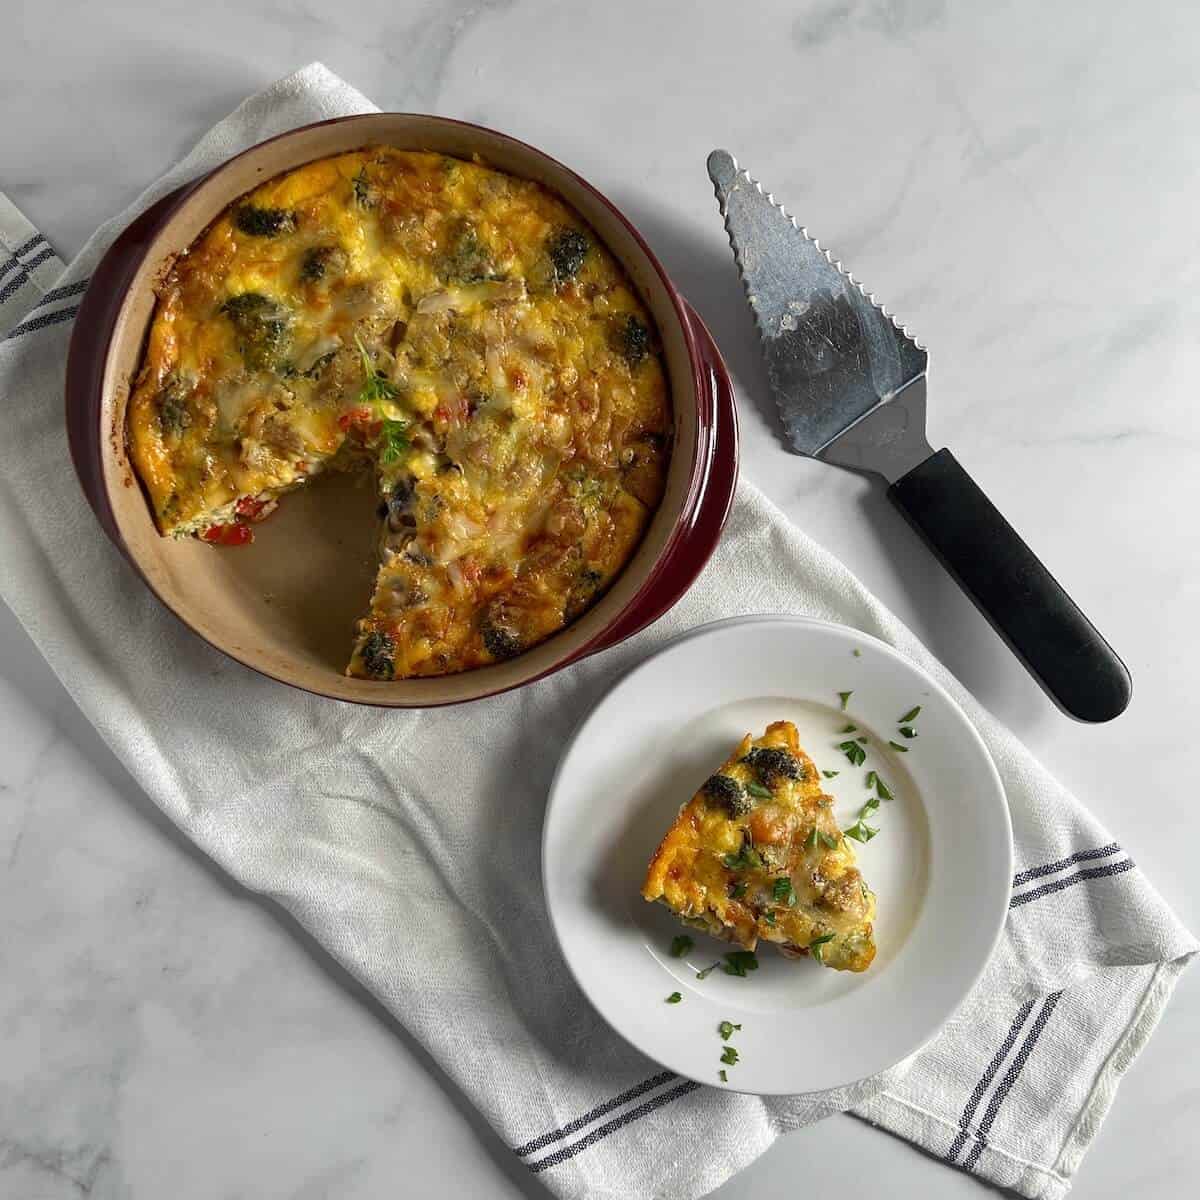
(1024, 603)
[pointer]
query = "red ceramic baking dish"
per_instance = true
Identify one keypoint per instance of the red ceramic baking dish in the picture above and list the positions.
(290, 615)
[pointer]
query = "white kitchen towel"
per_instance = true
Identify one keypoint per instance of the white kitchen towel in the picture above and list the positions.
(389, 832)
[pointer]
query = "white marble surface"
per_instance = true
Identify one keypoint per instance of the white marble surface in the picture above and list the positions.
(1019, 181)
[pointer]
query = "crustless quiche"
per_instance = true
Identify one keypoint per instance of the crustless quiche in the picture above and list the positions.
(756, 854)
(459, 332)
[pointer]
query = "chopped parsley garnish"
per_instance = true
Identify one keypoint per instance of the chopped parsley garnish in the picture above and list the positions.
(860, 831)
(782, 891)
(854, 752)
(815, 945)
(707, 971)
(871, 777)
(738, 890)
(392, 440)
(845, 699)
(770, 919)
(729, 1055)
(897, 746)
(674, 998)
(857, 652)
(911, 715)
(830, 774)
(681, 945)
(738, 962)
(376, 385)
(746, 858)
(867, 809)
(907, 731)
(757, 789)
(725, 1029)
(820, 838)
(724, 1077)
(885, 793)
(848, 729)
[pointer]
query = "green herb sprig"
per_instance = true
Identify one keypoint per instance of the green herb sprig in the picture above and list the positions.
(393, 440)
(881, 788)
(747, 858)
(854, 752)
(819, 837)
(860, 831)
(376, 386)
(740, 962)
(815, 945)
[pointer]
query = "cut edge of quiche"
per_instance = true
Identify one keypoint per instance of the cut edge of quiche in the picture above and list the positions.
(757, 855)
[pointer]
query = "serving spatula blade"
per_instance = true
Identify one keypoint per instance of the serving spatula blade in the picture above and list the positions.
(850, 385)
(833, 353)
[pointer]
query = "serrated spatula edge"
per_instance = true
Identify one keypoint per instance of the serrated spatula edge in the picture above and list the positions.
(724, 170)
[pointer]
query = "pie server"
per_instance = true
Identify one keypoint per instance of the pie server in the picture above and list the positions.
(850, 385)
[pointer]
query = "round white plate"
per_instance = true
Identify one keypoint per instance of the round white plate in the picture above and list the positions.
(941, 865)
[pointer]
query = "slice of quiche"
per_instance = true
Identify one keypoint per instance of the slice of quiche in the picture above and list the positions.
(756, 854)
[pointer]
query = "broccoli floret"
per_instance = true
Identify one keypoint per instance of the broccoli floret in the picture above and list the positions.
(264, 222)
(500, 643)
(725, 790)
(583, 593)
(632, 339)
(567, 249)
(364, 192)
(772, 764)
(379, 655)
(466, 261)
(319, 261)
(174, 416)
(261, 325)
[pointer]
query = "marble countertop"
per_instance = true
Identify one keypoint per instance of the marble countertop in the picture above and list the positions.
(1019, 181)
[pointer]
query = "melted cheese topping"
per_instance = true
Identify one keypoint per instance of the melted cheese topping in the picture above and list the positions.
(460, 330)
(771, 866)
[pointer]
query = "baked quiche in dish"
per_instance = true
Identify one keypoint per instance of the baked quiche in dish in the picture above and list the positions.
(457, 331)
(756, 854)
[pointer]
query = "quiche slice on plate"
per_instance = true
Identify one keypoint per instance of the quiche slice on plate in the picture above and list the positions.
(756, 854)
